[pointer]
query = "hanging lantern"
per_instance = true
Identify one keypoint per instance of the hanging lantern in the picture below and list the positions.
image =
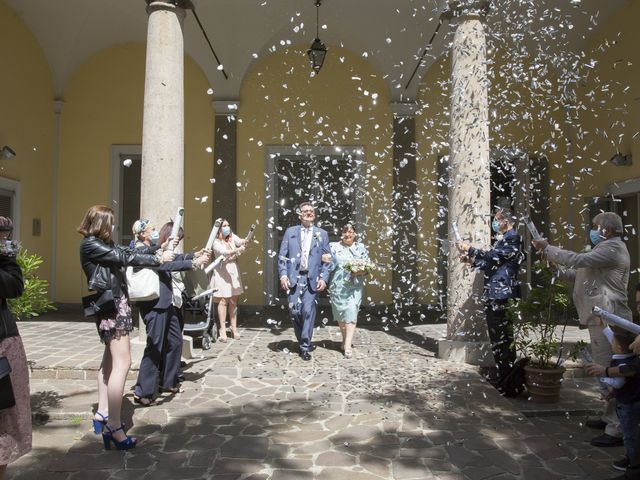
(318, 50)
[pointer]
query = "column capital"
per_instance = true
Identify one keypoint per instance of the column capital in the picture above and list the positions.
(186, 4)
(176, 6)
(226, 107)
(461, 8)
(404, 109)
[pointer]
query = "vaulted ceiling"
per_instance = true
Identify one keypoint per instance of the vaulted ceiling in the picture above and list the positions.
(391, 34)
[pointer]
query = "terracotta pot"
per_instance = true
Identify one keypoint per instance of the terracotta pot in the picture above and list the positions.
(543, 384)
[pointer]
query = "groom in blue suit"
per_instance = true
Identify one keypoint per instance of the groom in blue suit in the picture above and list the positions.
(303, 273)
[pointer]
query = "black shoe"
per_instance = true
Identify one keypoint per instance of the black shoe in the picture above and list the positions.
(306, 356)
(312, 348)
(606, 440)
(596, 424)
(621, 464)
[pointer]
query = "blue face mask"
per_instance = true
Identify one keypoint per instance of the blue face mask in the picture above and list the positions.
(226, 231)
(594, 236)
(495, 226)
(155, 236)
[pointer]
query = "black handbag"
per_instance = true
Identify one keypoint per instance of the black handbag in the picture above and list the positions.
(7, 400)
(100, 303)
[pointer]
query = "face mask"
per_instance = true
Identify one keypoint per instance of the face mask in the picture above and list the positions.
(226, 231)
(495, 226)
(594, 236)
(154, 237)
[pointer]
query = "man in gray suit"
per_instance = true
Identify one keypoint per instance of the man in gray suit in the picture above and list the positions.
(600, 278)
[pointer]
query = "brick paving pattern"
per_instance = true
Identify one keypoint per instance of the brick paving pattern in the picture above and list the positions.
(252, 409)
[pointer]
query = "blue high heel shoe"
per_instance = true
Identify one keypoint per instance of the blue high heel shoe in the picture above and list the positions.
(98, 425)
(107, 437)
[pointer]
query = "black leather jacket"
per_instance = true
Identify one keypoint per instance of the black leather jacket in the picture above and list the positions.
(11, 286)
(112, 259)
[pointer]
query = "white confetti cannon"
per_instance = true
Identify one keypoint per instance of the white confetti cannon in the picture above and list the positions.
(213, 234)
(177, 223)
(214, 264)
(532, 228)
(206, 293)
(249, 236)
(613, 319)
(456, 232)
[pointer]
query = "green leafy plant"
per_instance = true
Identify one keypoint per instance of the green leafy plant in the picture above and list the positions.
(35, 298)
(541, 318)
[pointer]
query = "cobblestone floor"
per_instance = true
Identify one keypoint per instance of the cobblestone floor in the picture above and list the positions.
(252, 409)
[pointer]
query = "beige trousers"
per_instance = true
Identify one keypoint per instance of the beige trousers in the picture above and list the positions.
(601, 352)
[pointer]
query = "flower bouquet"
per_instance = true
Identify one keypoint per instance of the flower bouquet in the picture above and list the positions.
(358, 267)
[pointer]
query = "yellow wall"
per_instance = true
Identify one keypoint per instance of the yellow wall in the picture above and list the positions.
(103, 106)
(608, 113)
(275, 94)
(26, 125)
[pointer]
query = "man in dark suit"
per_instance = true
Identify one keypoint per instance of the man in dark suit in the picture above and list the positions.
(500, 265)
(303, 273)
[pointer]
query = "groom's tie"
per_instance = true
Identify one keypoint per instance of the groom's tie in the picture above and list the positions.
(306, 244)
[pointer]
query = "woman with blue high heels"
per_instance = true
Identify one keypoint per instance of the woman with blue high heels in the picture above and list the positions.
(103, 263)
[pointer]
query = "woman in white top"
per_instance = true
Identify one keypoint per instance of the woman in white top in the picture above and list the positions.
(226, 278)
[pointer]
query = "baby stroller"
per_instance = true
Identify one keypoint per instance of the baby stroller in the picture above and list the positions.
(198, 307)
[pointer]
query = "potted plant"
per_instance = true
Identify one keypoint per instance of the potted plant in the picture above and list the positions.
(539, 321)
(35, 297)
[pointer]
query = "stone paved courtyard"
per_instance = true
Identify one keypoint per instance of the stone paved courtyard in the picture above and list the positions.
(252, 409)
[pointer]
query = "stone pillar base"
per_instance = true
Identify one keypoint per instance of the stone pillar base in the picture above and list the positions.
(474, 353)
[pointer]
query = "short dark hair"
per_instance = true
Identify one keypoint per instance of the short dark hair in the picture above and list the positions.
(97, 222)
(624, 338)
(348, 226)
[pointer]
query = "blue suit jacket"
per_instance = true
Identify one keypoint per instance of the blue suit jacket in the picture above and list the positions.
(291, 255)
(500, 266)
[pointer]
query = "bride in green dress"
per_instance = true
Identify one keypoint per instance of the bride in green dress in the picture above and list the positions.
(350, 264)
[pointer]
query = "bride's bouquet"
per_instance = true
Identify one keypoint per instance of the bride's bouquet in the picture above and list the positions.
(358, 267)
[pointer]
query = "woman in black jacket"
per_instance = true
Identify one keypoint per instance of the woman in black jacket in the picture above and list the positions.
(15, 422)
(160, 362)
(103, 263)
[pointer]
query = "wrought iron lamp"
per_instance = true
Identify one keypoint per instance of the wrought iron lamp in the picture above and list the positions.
(318, 50)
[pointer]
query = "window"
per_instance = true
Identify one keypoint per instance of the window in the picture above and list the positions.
(125, 189)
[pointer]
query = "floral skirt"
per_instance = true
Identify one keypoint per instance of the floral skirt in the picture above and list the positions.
(118, 324)
(15, 422)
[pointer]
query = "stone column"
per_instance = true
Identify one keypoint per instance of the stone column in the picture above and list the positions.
(162, 183)
(404, 279)
(225, 203)
(469, 187)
